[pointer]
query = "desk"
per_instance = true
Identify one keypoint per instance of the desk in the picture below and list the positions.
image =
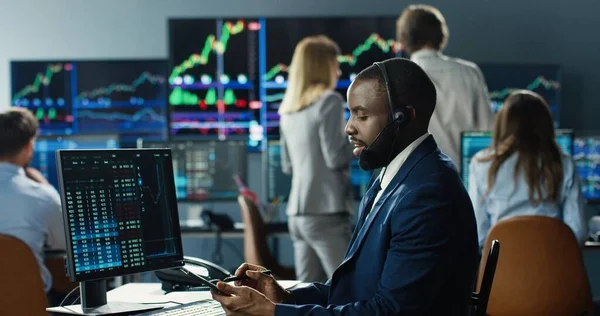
(197, 228)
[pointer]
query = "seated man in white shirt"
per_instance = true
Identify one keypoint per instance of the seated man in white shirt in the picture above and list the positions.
(463, 103)
(31, 208)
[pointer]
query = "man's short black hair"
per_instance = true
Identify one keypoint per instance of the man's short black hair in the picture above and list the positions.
(421, 25)
(411, 86)
(18, 127)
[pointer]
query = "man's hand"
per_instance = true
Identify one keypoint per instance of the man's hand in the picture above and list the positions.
(242, 300)
(35, 175)
(263, 283)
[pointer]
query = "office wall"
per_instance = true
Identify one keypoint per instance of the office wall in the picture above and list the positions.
(481, 30)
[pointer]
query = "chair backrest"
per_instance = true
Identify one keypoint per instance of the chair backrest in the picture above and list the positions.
(256, 249)
(481, 298)
(541, 270)
(21, 286)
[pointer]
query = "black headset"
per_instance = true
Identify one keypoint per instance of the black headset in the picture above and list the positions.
(398, 112)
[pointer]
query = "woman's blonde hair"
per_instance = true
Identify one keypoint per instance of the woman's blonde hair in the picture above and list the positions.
(310, 73)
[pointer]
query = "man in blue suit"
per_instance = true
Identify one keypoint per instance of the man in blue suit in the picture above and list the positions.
(414, 250)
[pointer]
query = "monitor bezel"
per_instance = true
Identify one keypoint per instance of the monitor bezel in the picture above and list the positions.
(97, 275)
(244, 175)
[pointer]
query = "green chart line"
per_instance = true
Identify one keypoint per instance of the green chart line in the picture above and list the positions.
(540, 81)
(41, 78)
(180, 97)
(274, 97)
(375, 39)
(210, 44)
(121, 87)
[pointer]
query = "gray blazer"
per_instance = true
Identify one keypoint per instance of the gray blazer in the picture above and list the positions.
(316, 152)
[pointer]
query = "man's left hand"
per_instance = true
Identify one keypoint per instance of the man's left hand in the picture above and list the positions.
(243, 300)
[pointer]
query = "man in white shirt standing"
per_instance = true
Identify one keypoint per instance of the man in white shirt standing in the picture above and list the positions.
(31, 208)
(463, 102)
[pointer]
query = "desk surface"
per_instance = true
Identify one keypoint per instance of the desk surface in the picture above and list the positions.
(151, 293)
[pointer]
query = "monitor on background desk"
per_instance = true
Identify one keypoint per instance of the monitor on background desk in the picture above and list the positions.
(586, 153)
(503, 79)
(44, 154)
(278, 184)
(205, 170)
(82, 97)
(121, 217)
(473, 142)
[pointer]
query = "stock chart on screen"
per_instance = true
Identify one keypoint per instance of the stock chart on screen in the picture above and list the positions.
(503, 79)
(124, 97)
(213, 80)
(362, 41)
(586, 153)
(45, 88)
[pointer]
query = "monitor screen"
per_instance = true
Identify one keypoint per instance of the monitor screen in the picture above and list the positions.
(44, 153)
(214, 79)
(120, 212)
(502, 79)
(371, 40)
(46, 88)
(473, 142)
(205, 170)
(125, 97)
(586, 153)
(279, 184)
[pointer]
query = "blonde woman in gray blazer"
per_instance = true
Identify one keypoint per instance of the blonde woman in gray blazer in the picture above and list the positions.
(316, 152)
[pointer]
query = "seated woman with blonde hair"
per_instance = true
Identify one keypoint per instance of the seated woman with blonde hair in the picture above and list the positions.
(524, 171)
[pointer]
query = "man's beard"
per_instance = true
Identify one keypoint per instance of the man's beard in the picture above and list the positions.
(381, 151)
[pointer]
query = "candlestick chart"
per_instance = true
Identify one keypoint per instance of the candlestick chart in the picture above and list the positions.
(44, 87)
(213, 80)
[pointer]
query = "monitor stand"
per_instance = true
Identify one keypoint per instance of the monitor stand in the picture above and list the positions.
(93, 302)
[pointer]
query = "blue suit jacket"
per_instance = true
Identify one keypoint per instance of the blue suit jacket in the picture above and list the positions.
(416, 254)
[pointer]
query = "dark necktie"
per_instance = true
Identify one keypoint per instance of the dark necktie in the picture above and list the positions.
(370, 198)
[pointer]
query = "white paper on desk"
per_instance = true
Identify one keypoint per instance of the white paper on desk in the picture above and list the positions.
(151, 293)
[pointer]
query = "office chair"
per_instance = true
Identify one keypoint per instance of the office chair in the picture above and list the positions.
(541, 271)
(480, 299)
(256, 249)
(22, 289)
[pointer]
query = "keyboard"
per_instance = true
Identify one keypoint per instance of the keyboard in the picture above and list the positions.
(201, 308)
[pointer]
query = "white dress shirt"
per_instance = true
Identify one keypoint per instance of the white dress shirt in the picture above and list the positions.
(509, 198)
(32, 213)
(463, 102)
(394, 166)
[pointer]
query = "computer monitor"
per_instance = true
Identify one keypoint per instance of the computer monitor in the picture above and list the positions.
(279, 184)
(77, 97)
(371, 39)
(586, 153)
(214, 79)
(205, 170)
(120, 215)
(125, 97)
(472, 142)
(502, 79)
(45, 88)
(44, 153)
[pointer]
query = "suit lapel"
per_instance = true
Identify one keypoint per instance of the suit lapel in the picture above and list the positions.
(421, 151)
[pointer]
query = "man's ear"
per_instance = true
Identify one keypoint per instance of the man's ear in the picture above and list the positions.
(412, 112)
